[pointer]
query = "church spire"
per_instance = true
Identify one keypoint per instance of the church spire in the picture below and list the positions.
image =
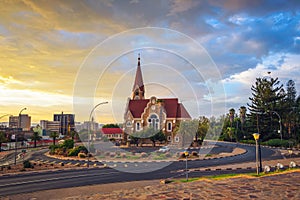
(138, 86)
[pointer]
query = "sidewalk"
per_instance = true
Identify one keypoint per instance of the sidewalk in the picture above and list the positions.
(278, 186)
(250, 165)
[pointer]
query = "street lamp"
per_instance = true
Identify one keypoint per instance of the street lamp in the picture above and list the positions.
(186, 153)
(280, 127)
(16, 136)
(256, 137)
(4, 116)
(88, 162)
(19, 121)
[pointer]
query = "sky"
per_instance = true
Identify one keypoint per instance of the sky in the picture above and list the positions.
(71, 55)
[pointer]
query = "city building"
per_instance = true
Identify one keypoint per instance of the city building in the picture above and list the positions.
(112, 133)
(49, 126)
(67, 123)
(22, 121)
(158, 113)
(85, 125)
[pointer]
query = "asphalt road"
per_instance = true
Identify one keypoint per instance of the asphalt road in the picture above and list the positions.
(23, 183)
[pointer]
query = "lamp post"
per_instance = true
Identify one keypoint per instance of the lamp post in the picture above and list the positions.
(280, 127)
(256, 137)
(88, 161)
(4, 116)
(186, 153)
(20, 121)
(16, 136)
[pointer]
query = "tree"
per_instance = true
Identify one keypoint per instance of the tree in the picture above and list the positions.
(291, 93)
(111, 126)
(159, 136)
(230, 127)
(243, 111)
(290, 113)
(215, 127)
(83, 134)
(37, 131)
(202, 128)
(2, 139)
(74, 134)
(267, 96)
(36, 137)
(187, 130)
(54, 135)
(134, 140)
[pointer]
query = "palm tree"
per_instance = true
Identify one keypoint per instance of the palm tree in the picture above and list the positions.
(74, 135)
(35, 137)
(54, 135)
(2, 139)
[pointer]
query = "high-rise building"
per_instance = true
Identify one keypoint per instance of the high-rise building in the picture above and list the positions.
(67, 123)
(21, 121)
(52, 126)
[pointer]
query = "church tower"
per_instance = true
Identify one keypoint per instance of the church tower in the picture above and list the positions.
(138, 90)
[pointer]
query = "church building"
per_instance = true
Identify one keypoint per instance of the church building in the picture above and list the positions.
(157, 113)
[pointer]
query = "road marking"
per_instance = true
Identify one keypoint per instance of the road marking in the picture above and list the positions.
(57, 178)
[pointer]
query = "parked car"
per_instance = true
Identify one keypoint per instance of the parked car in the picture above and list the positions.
(164, 149)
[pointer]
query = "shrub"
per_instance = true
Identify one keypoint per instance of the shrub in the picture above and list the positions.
(168, 155)
(27, 164)
(195, 153)
(277, 143)
(247, 141)
(81, 155)
(52, 149)
(76, 150)
(144, 155)
(112, 154)
(182, 155)
(68, 144)
(160, 157)
(123, 155)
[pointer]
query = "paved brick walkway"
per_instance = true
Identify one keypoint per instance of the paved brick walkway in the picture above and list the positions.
(281, 186)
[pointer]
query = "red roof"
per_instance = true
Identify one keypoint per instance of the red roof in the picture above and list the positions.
(173, 108)
(112, 130)
(136, 107)
(182, 112)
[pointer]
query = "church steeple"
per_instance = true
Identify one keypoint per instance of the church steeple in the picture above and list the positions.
(138, 90)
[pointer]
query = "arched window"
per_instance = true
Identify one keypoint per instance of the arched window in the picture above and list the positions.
(153, 121)
(138, 126)
(169, 138)
(169, 126)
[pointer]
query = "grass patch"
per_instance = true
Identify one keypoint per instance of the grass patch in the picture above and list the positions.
(221, 176)
(160, 157)
(224, 176)
(186, 181)
(133, 157)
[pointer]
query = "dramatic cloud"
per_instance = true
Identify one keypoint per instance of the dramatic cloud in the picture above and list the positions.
(43, 45)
